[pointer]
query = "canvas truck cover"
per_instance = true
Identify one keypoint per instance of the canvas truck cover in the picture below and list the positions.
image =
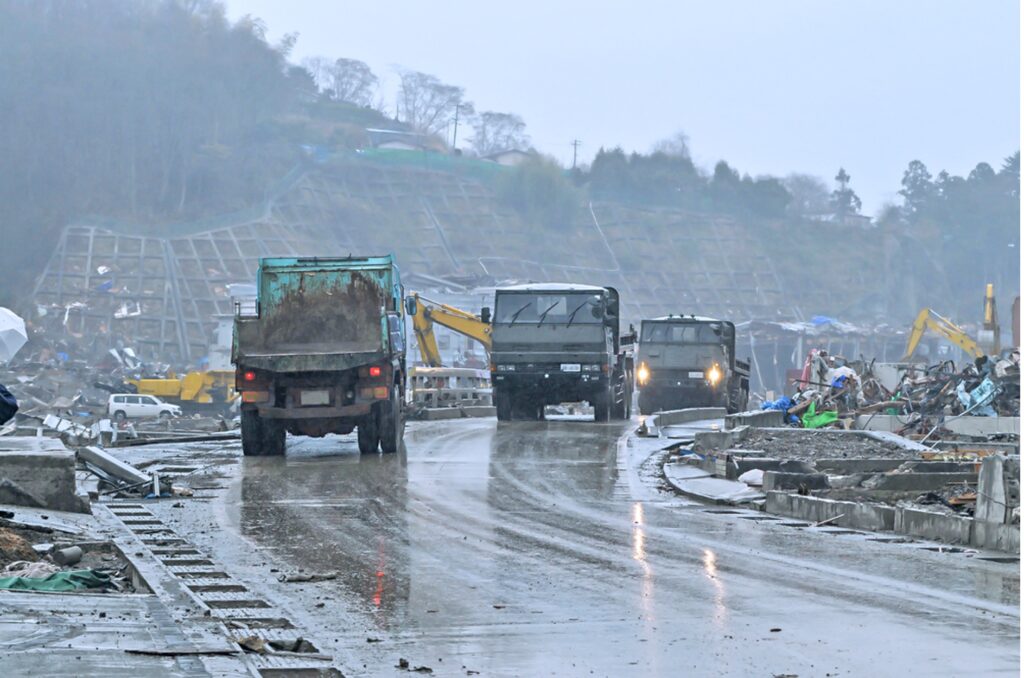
(317, 314)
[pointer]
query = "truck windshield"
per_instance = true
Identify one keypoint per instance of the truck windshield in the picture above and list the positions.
(684, 333)
(549, 308)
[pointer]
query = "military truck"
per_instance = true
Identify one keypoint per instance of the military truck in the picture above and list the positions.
(689, 361)
(556, 343)
(323, 353)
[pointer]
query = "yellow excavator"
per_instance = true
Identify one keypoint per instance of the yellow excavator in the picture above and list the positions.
(928, 319)
(209, 390)
(425, 313)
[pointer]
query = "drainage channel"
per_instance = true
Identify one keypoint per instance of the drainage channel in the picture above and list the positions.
(253, 623)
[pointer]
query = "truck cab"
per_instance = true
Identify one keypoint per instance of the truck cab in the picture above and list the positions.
(690, 361)
(555, 343)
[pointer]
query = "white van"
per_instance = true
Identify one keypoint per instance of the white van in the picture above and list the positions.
(123, 406)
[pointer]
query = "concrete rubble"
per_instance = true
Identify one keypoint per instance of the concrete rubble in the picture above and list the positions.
(860, 479)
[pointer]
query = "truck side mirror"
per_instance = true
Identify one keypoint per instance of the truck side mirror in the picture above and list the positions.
(485, 314)
(410, 305)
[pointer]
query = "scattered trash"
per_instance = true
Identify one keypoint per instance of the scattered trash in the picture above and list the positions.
(252, 644)
(58, 581)
(307, 577)
(30, 569)
(828, 520)
(754, 477)
(67, 556)
(298, 645)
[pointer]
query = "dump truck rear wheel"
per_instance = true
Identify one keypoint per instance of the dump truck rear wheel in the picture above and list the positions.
(621, 409)
(503, 406)
(602, 404)
(252, 434)
(274, 437)
(627, 398)
(391, 423)
(369, 434)
(738, 400)
(523, 410)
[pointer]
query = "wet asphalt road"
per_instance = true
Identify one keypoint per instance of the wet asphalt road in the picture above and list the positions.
(549, 549)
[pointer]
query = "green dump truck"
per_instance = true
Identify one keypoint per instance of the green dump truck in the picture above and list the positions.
(323, 351)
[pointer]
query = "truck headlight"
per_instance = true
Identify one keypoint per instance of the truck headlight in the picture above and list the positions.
(714, 375)
(506, 368)
(591, 368)
(643, 375)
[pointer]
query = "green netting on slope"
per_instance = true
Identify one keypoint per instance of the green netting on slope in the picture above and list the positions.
(429, 160)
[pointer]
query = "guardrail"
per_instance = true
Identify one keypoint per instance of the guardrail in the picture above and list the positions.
(433, 387)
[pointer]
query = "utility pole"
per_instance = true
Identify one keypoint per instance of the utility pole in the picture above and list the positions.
(575, 145)
(455, 134)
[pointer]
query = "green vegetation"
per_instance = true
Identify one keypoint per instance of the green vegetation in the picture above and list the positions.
(540, 191)
(671, 179)
(960, 232)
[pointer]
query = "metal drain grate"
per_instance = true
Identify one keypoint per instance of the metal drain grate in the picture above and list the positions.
(227, 601)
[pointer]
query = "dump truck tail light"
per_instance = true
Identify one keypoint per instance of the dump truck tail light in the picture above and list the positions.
(381, 393)
(375, 371)
(255, 396)
(249, 375)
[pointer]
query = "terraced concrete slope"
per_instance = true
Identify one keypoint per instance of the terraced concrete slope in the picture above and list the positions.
(161, 288)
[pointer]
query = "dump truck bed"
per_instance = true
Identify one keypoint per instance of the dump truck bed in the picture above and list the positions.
(316, 315)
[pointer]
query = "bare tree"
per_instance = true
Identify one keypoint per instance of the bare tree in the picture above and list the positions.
(348, 80)
(352, 80)
(677, 145)
(494, 132)
(810, 195)
(320, 68)
(425, 103)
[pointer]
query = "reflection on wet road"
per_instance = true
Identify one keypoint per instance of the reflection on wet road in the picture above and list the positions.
(540, 549)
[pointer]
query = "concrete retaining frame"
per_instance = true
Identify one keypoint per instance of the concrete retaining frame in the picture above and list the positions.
(652, 425)
(39, 472)
(941, 527)
(850, 514)
(756, 418)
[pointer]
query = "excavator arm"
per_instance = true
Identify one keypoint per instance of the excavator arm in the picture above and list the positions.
(425, 313)
(928, 319)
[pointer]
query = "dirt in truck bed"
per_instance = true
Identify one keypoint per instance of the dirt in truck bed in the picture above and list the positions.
(346, 314)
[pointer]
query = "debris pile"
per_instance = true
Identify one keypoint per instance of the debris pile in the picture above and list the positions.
(833, 391)
(67, 397)
(42, 558)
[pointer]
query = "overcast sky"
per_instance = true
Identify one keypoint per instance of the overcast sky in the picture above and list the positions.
(772, 87)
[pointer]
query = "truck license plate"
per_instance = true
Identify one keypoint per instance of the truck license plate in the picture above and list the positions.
(696, 375)
(321, 397)
(570, 367)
